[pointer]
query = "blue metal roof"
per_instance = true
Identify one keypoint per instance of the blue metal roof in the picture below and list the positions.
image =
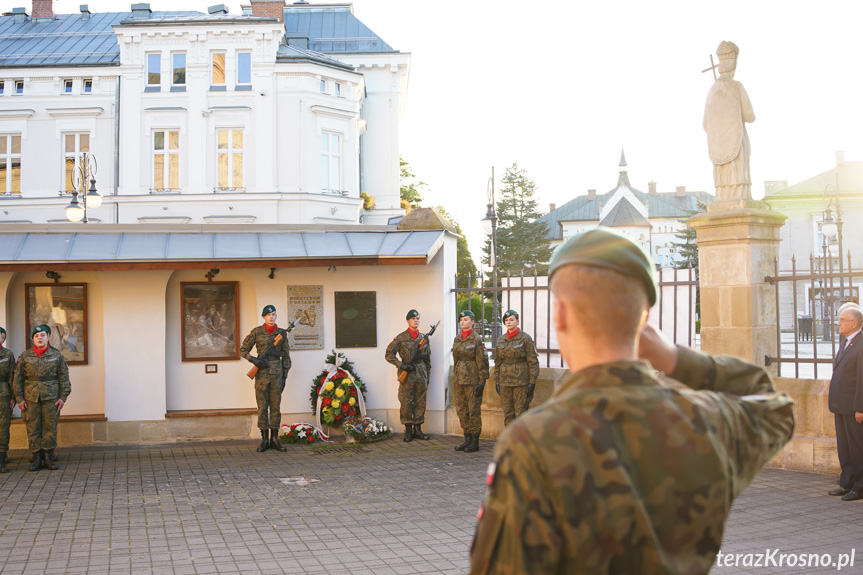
(67, 40)
(332, 29)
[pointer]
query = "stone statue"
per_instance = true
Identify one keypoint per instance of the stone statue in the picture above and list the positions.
(725, 115)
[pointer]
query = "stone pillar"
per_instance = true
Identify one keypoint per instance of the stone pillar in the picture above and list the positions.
(738, 242)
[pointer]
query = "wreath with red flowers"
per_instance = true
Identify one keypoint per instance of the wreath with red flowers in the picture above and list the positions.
(338, 392)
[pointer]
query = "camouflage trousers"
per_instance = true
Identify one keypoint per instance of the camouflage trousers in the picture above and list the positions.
(412, 397)
(41, 419)
(5, 422)
(514, 401)
(469, 409)
(269, 399)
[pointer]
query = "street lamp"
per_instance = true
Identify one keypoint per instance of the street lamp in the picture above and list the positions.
(831, 231)
(77, 211)
(489, 224)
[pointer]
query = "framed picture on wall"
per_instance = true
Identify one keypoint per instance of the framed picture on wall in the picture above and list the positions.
(210, 313)
(63, 308)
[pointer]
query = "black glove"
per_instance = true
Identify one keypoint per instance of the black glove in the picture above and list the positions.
(530, 389)
(408, 367)
(478, 389)
(260, 363)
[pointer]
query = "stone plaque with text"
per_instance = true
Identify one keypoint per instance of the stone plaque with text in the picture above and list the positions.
(306, 307)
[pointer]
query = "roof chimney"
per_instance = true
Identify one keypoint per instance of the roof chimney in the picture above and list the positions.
(85, 12)
(680, 192)
(19, 15)
(591, 194)
(218, 9)
(551, 207)
(43, 9)
(269, 9)
(651, 188)
(141, 10)
(840, 157)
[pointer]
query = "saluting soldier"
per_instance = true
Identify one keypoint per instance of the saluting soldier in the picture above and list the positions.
(622, 472)
(516, 368)
(269, 381)
(471, 373)
(413, 390)
(7, 399)
(41, 387)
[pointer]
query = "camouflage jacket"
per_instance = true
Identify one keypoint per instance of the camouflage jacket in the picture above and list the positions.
(261, 338)
(515, 360)
(404, 345)
(620, 473)
(7, 372)
(471, 359)
(43, 378)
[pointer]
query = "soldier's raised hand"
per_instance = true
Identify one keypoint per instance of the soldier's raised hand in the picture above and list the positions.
(654, 347)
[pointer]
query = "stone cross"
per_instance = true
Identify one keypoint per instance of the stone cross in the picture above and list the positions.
(712, 67)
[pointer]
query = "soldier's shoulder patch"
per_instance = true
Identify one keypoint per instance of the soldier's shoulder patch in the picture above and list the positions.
(489, 474)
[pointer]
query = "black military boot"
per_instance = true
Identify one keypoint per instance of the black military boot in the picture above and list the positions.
(4, 459)
(265, 441)
(36, 461)
(418, 432)
(49, 459)
(409, 432)
(474, 444)
(274, 441)
(461, 446)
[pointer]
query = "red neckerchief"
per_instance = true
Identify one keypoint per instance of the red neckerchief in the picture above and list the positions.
(270, 330)
(414, 333)
(40, 353)
(466, 334)
(512, 334)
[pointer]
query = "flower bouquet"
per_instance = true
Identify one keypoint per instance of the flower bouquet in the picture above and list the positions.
(337, 393)
(303, 433)
(368, 201)
(365, 430)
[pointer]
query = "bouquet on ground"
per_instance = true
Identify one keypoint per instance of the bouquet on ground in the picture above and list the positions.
(337, 393)
(303, 433)
(365, 429)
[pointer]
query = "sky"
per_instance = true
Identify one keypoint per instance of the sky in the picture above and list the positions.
(561, 87)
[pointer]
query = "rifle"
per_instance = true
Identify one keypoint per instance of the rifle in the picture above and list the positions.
(420, 345)
(270, 353)
(291, 327)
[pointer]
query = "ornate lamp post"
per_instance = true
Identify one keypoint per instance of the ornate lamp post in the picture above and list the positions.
(831, 231)
(77, 211)
(489, 224)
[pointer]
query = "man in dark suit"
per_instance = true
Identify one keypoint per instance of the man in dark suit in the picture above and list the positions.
(846, 403)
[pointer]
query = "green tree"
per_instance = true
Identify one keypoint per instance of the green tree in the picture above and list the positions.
(522, 243)
(410, 190)
(466, 270)
(687, 248)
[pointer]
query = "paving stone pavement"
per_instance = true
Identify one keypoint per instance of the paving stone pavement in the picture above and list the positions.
(385, 508)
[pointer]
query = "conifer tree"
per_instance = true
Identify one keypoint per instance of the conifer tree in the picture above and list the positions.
(687, 249)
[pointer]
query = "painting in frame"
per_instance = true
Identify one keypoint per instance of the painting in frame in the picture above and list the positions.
(63, 308)
(210, 320)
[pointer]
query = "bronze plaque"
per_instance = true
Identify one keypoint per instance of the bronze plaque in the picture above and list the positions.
(356, 319)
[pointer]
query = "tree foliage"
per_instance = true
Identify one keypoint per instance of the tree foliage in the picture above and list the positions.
(522, 242)
(687, 248)
(466, 270)
(410, 189)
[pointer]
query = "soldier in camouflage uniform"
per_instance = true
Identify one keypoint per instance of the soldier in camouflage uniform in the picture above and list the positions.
(621, 471)
(7, 399)
(413, 390)
(41, 387)
(471, 373)
(269, 382)
(516, 368)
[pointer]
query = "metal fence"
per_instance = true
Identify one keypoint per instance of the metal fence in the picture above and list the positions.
(675, 314)
(807, 305)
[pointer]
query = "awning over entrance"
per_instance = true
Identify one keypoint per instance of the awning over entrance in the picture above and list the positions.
(129, 247)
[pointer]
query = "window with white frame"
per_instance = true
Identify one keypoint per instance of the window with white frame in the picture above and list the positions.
(323, 86)
(19, 87)
(229, 159)
(75, 146)
(166, 160)
(154, 69)
(67, 86)
(244, 68)
(338, 89)
(217, 75)
(2, 87)
(331, 162)
(88, 85)
(178, 69)
(10, 164)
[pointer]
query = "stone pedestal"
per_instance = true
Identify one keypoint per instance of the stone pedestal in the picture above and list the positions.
(738, 243)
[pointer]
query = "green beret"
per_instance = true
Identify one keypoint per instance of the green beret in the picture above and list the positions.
(510, 312)
(604, 248)
(268, 309)
(3, 331)
(466, 313)
(40, 329)
(412, 313)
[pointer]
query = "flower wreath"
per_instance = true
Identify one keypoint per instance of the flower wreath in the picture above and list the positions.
(337, 393)
(365, 429)
(303, 433)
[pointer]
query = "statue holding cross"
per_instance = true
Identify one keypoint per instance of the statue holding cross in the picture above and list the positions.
(726, 113)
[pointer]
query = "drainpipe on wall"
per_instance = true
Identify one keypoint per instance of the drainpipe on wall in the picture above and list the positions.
(117, 150)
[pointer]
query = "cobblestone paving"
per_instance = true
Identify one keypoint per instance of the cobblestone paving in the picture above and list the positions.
(384, 508)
